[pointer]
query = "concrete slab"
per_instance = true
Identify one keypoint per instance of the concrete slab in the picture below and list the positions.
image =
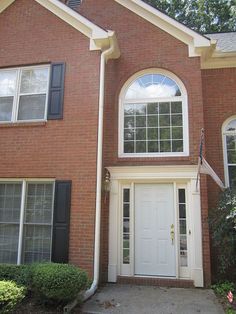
(127, 299)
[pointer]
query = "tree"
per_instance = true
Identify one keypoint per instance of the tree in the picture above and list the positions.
(204, 16)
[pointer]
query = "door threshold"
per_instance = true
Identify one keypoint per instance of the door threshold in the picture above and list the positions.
(156, 281)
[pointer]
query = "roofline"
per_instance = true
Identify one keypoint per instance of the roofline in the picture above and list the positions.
(178, 30)
(99, 38)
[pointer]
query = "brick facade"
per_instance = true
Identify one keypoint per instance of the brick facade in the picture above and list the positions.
(61, 149)
(66, 149)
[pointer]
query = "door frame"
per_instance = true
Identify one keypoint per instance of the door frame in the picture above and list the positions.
(179, 176)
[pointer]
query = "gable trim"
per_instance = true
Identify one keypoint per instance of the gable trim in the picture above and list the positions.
(99, 38)
(168, 24)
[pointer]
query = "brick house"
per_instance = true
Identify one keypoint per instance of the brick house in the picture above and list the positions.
(101, 107)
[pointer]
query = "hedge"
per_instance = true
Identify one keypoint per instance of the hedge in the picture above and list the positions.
(58, 283)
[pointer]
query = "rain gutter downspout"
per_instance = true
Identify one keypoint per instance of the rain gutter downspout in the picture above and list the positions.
(106, 54)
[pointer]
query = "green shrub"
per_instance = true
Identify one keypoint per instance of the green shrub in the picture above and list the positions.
(58, 283)
(10, 296)
(223, 231)
(21, 274)
(223, 288)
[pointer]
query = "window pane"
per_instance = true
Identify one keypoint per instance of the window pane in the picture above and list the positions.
(164, 108)
(153, 147)
(165, 146)
(129, 122)
(141, 147)
(6, 104)
(9, 237)
(38, 208)
(126, 225)
(152, 121)
(32, 107)
(38, 222)
(34, 80)
(165, 133)
(7, 83)
(231, 142)
(37, 243)
(140, 134)
(152, 86)
(153, 134)
(129, 109)
(129, 134)
(129, 147)
(176, 107)
(232, 176)
(10, 203)
(231, 126)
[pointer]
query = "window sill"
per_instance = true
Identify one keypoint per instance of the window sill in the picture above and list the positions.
(22, 124)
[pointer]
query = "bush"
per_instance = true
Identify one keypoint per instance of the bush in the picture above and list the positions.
(223, 288)
(21, 274)
(58, 283)
(10, 296)
(223, 229)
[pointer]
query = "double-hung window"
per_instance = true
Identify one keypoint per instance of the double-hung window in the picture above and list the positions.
(229, 140)
(153, 116)
(26, 217)
(24, 94)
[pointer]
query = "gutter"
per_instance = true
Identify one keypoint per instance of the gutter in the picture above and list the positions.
(112, 52)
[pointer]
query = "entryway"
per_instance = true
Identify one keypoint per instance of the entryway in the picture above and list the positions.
(154, 230)
(155, 224)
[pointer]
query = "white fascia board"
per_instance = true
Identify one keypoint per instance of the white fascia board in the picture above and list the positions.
(99, 38)
(4, 4)
(167, 24)
(76, 20)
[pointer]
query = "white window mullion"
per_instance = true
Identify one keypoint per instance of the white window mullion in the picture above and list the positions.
(23, 197)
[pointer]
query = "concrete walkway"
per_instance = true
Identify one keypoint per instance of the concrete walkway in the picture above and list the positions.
(126, 299)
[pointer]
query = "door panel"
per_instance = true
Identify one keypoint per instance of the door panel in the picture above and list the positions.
(154, 215)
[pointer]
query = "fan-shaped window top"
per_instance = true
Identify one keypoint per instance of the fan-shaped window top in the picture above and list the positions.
(152, 86)
(231, 126)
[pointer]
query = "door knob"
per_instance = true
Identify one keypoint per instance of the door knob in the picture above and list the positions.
(172, 233)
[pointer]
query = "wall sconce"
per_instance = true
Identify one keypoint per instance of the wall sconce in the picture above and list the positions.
(106, 184)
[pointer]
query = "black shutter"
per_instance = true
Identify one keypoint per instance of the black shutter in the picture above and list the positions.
(61, 220)
(56, 92)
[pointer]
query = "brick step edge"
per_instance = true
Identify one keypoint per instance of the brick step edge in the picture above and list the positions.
(161, 282)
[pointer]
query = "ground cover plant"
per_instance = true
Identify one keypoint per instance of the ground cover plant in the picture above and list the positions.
(47, 286)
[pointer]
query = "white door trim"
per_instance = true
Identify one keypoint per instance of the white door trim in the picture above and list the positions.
(177, 175)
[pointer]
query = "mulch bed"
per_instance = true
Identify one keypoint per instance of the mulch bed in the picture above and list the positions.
(31, 306)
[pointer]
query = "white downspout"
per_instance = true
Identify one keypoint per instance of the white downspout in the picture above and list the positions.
(104, 56)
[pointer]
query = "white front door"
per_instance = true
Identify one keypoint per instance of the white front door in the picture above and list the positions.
(154, 215)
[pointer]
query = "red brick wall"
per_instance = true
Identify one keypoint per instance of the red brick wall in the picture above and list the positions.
(219, 104)
(144, 46)
(61, 149)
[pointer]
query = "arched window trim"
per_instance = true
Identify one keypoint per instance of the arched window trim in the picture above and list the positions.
(183, 98)
(224, 134)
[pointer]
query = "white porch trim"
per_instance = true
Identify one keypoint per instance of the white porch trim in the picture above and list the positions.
(178, 175)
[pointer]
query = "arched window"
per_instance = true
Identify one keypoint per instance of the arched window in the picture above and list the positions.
(229, 143)
(153, 116)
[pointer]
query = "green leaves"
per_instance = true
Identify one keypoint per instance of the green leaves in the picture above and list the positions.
(204, 16)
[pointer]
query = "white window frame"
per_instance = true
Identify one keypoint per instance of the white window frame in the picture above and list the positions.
(183, 98)
(224, 135)
(24, 183)
(16, 97)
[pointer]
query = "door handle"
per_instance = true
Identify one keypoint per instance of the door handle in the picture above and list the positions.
(172, 233)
